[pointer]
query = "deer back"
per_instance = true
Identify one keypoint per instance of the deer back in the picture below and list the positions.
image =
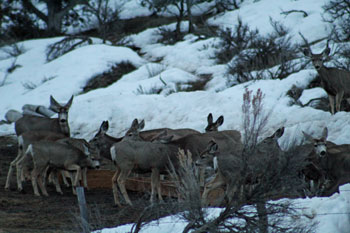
(35, 123)
(29, 137)
(335, 80)
(142, 155)
(54, 154)
(228, 140)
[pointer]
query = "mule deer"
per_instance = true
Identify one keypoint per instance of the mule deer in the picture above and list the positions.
(58, 156)
(133, 153)
(333, 162)
(34, 123)
(335, 81)
(230, 165)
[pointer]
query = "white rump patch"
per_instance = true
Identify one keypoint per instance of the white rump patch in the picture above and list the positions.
(113, 153)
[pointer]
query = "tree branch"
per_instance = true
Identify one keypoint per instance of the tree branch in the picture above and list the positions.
(31, 8)
(295, 11)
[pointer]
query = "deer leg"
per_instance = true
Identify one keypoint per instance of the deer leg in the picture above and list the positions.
(34, 182)
(155, 184)
(338, 99)
(331, 103)
(41, 184)
(121, 183)
(115, 188)
(71, 175)
(64, 178)
(56, 182)
(77, 175)
(12, 165)
(19, 167)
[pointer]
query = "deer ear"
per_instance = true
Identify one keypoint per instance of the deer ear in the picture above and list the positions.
(134, 123)
(69, 103)
(214, 147)
(324, 133)
(220, 121)
(141, 125)
(54, 105)
(104, 127)
(307, 52)
(308, 137)
(210, 118)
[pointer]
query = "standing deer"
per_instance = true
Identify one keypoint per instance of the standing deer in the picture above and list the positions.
(57, 156)
(34, 123)
(335, 81)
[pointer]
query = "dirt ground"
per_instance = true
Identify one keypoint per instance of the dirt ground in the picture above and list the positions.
(24, 212)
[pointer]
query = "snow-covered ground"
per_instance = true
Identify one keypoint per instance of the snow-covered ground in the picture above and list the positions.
(181, 63)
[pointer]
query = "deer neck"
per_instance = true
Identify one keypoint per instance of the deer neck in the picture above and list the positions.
(65, 128)
(323, 72)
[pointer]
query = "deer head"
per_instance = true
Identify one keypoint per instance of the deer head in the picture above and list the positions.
(213, 126)
(133, 132)
(320, 146)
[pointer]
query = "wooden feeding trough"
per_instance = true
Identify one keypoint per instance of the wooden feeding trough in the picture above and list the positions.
(102, 179)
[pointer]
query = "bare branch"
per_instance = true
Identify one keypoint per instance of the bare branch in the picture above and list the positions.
(295, 11)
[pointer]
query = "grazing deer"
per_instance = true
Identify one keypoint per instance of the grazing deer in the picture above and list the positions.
(213, 126)
(35, 123)
(229, 165)
(57, 156)
(333, 162)
(335, 81)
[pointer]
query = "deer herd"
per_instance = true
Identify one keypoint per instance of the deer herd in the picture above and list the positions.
(47, 152)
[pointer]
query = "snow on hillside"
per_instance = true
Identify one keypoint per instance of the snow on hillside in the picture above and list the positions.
(181, 63)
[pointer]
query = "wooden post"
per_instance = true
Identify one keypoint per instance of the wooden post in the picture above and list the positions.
(83, 209)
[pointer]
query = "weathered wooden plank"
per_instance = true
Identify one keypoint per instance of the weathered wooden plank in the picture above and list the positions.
(103, 179)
